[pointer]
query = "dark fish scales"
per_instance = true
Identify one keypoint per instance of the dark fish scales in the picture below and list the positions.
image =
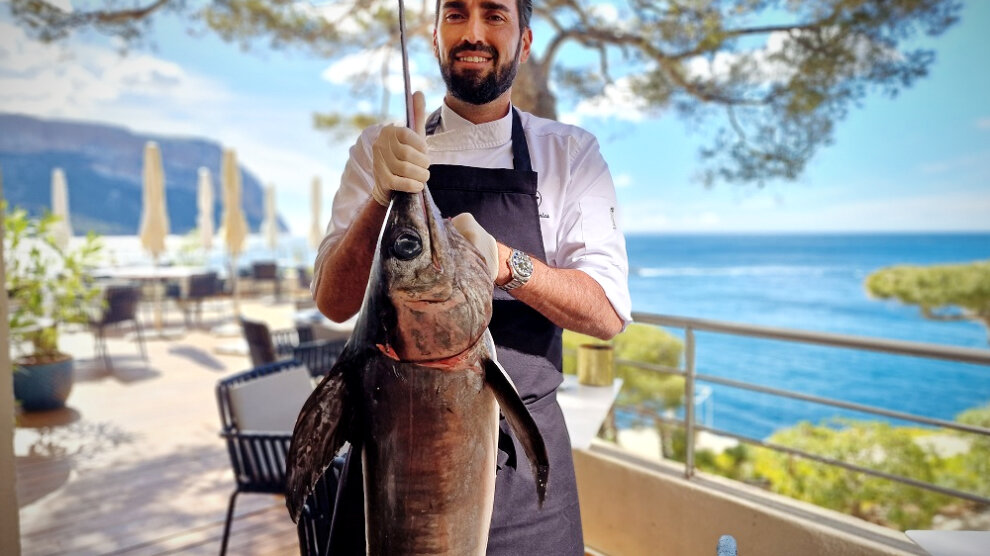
(418, 392)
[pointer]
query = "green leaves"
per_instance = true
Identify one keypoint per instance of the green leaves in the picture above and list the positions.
(963, 288)
(878, 446)
(47, 286)
(769, 80)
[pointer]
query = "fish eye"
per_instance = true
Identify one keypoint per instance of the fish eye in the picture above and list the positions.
(407, 245)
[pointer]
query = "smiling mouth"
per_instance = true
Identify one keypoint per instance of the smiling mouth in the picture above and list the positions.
(473, 59)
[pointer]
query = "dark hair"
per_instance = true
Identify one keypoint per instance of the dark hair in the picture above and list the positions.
(524, 7)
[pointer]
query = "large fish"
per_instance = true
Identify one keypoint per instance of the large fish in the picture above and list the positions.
(417, 390)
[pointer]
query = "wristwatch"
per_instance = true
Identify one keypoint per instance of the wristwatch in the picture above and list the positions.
(520, 270)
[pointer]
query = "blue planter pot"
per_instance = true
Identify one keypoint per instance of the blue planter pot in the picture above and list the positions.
(42, 387)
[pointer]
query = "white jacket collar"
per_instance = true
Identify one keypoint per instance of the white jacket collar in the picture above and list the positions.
(457, 134)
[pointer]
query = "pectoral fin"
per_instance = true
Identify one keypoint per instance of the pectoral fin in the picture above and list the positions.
(521, 422)
(318, 435)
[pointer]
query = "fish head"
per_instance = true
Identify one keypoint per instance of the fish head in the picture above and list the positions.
(437, 283)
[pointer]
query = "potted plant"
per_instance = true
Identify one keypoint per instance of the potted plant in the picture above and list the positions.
(48, 287)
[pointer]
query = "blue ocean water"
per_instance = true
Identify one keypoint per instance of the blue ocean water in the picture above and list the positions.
(809, 282)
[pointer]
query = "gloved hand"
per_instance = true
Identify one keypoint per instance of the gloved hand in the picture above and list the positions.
(482, 240)
(399, 156)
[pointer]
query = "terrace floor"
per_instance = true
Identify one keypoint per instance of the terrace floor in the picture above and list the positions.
(134, 464)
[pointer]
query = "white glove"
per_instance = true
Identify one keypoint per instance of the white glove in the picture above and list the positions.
(479, 238)
(399, 157)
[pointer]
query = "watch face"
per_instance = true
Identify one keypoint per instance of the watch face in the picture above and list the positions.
(521, 264)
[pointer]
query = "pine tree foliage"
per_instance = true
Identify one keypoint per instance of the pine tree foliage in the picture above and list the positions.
(942, 292)
(768, 79)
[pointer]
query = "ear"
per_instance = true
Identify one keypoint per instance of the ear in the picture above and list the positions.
(436, 49)
(526, 43)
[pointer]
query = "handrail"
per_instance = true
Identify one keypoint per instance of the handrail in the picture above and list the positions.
(918, 349)
(915, 349)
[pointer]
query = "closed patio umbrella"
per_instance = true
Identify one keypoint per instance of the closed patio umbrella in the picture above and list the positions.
(204, 202)
(234, 225)
(60, 208)
(316, 226)
(154, 214)
(269, 228)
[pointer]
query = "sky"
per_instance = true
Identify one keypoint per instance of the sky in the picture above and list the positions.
(918, 162)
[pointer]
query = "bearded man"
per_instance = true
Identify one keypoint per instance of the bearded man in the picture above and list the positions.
(536, 198)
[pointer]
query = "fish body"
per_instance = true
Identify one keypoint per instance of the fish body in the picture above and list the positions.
(418, 391)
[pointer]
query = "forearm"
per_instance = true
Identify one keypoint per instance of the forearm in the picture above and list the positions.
(345, 270)
(570, 298)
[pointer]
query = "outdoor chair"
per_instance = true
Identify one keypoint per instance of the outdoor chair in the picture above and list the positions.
(304, 277)
(317, 512)
(265, 272)
(266, 346)
(258, 410)
(200, 287)
(120, 305)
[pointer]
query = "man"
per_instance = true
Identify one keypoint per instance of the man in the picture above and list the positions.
(537, 200)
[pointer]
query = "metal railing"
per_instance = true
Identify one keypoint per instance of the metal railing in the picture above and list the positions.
(691, 376)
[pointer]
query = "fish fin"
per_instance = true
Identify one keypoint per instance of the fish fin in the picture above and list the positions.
(522, 423)
(317, 437)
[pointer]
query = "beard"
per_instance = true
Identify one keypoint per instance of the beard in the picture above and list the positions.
(476, 87)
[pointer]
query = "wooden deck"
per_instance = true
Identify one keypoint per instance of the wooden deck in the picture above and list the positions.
(134, 464)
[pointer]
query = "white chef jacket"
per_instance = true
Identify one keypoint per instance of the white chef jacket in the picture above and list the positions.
(577, 204)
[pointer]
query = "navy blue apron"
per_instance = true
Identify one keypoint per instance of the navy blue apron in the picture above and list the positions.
(504, 202)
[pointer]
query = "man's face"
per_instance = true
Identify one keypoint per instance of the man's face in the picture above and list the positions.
(479, 46)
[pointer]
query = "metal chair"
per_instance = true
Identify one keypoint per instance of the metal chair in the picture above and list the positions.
(267, 346)
(266, 272)
(317, 512)
(200, 287)
(257, 457)
(121, 305)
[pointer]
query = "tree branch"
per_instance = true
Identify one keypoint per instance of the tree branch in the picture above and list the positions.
(51, 15)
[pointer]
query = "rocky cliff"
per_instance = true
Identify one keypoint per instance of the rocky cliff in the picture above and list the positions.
(103, 166)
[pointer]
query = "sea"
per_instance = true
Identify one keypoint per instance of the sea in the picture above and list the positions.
(816, 283)
(797, 281)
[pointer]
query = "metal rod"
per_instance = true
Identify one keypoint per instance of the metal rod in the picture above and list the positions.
(405, 64)
(831, 461)
(917, 349)
(872, 410)
(689, 402)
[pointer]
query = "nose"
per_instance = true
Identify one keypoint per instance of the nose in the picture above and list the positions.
(474, 30)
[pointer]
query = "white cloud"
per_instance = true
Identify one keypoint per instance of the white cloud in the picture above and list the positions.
(962, 162)
(951, 211)
(618, 102)
(369, 63)
(151, 95)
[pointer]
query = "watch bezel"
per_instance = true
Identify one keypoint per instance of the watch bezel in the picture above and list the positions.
(520, 270)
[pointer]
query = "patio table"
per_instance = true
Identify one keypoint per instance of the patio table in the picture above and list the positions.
(156, 275)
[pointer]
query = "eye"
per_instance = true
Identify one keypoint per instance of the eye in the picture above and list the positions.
(406, 246)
